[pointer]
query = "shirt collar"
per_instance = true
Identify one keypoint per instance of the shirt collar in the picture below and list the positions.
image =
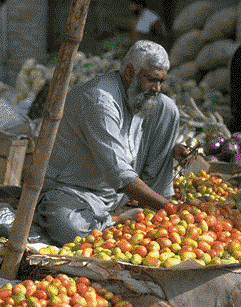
(123, 91)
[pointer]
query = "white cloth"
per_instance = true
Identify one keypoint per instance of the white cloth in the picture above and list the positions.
(146, 20)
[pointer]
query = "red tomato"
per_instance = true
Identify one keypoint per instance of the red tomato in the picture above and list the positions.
(220, 218)
(85, 245)
(152, 233)
(188, 208)
(145, 241)
(140, 217)
(5, 293)
(221, 236)
(108, 245)
(189, 218)
(227, 225)
(117, 233)
(236, 236)
(126, 229)
(28, 283)
(30, 292)
(9, 301)
(165, 224)
(235, 231)
(140, 226)
(23, 303)
(213, 253)
(125, 246)
(204, 246)
(172, 228)
(140, 250)
(227, 241)
(157, 219)
(185, 248)
(174, 219)
(90, 296)
(66, 283)
(40, 294)
(62, 290)
(62, 277)
(18, 288)
(211, 220)
(162, 233)
(162, 213)
(218, 227)
(175, 238)
(49, 278)
(82, 288)
(192, 232)
(170, 208)
(127, 222)
(198, 252)
(75, 299)
(199, 216)
(218, 246)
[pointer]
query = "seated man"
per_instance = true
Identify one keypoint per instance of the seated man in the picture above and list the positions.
(115, 142)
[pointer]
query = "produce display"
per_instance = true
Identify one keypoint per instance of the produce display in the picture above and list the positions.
(208, 232)
(193, 186)
(32, 76)
(59, 291)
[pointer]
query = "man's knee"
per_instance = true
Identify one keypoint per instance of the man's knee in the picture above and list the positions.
(64, 216)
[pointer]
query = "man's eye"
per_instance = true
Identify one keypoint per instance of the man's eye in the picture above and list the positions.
(156, 80)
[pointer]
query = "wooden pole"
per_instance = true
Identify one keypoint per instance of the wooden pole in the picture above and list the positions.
(238, 30)
(52, 115)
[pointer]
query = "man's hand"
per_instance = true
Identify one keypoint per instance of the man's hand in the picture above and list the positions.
(145, 196)
(181, 152)
(128, 215)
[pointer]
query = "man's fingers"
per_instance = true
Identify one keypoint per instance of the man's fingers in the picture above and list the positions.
(128, 215)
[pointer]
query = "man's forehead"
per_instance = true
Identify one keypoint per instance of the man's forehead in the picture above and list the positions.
(156, 72)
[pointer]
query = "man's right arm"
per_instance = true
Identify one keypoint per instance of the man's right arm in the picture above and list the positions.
(145, 196)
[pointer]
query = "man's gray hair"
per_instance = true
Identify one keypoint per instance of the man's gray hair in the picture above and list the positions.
(145, 52)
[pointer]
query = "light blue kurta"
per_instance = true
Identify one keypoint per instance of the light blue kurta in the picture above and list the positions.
(101, 147)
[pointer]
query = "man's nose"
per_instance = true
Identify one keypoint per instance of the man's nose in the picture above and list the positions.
(156, 87)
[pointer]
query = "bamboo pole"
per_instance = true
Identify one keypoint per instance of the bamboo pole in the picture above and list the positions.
(238, 30)
(52, 115)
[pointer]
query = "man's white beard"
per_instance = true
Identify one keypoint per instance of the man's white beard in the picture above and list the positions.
(138, 101)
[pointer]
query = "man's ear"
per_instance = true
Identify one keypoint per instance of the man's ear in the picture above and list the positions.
(129, 73)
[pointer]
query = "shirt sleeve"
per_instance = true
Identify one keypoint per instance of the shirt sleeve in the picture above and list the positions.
(146, 20)
(101, 124)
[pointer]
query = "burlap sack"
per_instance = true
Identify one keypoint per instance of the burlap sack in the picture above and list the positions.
(218, 79)
(221, 24)
(185, 71)
(186, 47)
(200, 288)
(193, 16)
(216, 54)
